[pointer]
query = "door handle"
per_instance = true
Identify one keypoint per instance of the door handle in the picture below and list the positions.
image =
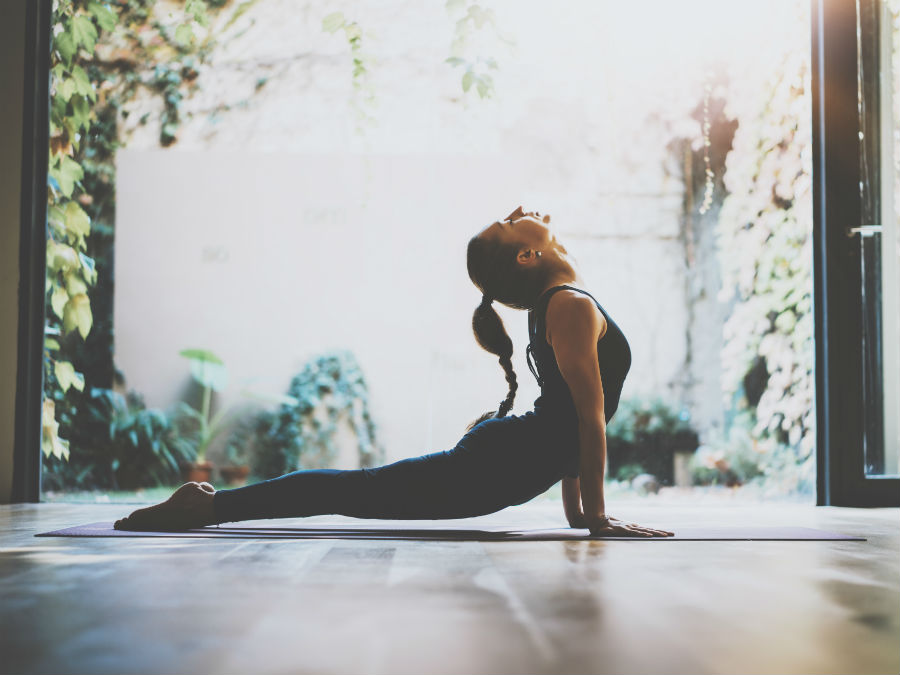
(864, 230)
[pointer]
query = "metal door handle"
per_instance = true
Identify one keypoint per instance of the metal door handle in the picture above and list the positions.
(864, 230)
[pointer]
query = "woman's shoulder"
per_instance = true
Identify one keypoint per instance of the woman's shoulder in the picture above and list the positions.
(574, 309)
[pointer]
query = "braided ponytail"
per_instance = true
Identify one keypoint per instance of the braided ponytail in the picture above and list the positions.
(491, 335)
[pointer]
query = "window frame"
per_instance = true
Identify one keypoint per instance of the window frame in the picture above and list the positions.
(840, 475)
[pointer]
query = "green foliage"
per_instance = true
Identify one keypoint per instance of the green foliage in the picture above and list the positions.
(472, 18)
(200, 426)
(329, 391)
(644, 434)
(765, 240)
(639, 417)
(628, 472)
(731, 458)
(131, 446)
(96, 48)
(364, 99)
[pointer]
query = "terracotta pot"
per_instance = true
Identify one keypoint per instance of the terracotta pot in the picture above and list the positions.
(235, 475)
(198, 471)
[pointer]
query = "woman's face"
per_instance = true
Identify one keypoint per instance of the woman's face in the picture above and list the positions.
(525, 231)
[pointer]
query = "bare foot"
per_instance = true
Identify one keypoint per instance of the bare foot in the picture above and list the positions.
(190, 506)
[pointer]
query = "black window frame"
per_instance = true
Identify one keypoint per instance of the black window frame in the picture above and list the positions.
(837, 206)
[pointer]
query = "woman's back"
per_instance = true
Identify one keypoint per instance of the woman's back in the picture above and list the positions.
(613, 355)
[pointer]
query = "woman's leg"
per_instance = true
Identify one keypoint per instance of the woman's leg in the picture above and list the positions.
(431, 486)
(498, 463)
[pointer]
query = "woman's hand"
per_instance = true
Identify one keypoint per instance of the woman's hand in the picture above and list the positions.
(604, 526)
(577, 521)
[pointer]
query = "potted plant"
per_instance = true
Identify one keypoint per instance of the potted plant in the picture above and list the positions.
(209, 372)
(237, 451)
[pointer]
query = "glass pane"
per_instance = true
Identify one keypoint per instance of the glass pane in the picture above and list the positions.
(890, 238)
(878, 234)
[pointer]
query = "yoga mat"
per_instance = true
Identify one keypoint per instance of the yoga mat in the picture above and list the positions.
(737, 533)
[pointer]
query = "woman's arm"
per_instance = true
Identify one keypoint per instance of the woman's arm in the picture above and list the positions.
(571, 493)
(574, 324)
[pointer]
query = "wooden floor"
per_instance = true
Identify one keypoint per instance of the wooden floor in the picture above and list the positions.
(331, 606)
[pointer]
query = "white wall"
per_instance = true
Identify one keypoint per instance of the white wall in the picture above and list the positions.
(267, 259)
(273, 230)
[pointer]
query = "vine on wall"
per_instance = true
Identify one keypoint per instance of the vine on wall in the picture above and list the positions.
(92, 77)
(765, 239)
(471, 19)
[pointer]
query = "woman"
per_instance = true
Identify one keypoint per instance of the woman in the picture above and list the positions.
(580, 359)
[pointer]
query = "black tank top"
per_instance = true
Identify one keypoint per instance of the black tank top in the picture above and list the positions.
(613, 354)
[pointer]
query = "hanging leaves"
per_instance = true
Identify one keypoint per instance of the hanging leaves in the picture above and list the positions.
(78, 27)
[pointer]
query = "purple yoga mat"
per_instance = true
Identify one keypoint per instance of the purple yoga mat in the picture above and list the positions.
(737, 533)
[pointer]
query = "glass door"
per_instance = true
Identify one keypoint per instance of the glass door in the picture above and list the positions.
(878, 33)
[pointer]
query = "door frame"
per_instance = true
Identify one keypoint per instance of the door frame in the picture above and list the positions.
(840, 479)
(26, 484)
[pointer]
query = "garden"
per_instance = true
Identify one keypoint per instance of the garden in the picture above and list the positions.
(733, 414)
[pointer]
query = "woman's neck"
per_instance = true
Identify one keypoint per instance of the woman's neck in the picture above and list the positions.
(568, 277)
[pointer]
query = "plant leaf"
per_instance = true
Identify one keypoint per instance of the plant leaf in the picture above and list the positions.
(77, 314)
(58, 300)
(67, 174)
(83, 32)
(83, 83)
(77, 221)
(333, 22)
(67, 376)
(65, 45)
(184, 34)
(106, 18)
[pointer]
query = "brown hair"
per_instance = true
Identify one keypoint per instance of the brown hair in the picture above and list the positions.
(493, 269)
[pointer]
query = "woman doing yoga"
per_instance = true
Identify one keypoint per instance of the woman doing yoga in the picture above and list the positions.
(578, 355)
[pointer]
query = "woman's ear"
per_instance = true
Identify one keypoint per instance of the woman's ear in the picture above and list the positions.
(526, 256)
(518, 213)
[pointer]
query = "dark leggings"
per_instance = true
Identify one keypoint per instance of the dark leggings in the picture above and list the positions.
(499, 463)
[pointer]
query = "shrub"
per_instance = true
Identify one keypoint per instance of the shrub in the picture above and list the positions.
(130, 445)
(300, 434)
(646, 433)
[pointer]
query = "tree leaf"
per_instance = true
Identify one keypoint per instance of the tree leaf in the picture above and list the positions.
(67, 174)
(58, 300)
(333, 22)
(61, 257)
(83, 32)
(467, 80)
(56, 218)
(184, 34)
(77, 314)
(65, 45)
(353, 31)
(65, 88)
(81, 112)
(51, 343)
(106, 18)
(88, 268)
(453, 6)
(200, 355)
(77, 221)
(197, 10)
(74, 284)
(83, 83)
(67, 376)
